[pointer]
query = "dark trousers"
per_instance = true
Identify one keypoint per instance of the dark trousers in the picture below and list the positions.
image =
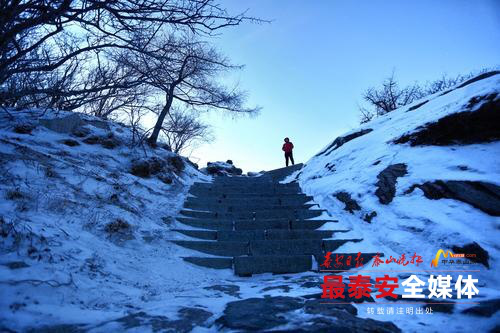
(289, 156)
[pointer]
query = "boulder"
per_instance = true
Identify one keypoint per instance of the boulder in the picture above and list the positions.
(298, 314)
(63, 125)
(350, 204)
(147, 167)
(482, 256)
(485, 309)
(386, 185)
(481, 195)
(477, 124)
(258, 313)
(341, 140)
(222, 169)
(24, 128)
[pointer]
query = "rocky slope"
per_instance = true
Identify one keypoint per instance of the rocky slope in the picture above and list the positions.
(422, 178)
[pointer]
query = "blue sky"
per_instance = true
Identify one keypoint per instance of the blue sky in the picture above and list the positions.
(309, 67)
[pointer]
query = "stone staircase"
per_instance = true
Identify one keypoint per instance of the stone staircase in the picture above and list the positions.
(256, 225)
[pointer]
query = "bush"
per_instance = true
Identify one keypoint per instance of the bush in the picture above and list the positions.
(117, 225)
(389, 96)
(14, 194)
(24, 128)
(146, 167)
(177, 162)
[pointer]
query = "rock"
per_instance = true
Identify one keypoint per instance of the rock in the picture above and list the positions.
(484, 309)
(61, 328)
(62, 125)
(81, 131)
(229, 289)
(188, 319)
(24, 128)
(341, 140)
(350, 204)
(92, 140)
(386, 185)
(481, 195)
(229, 162)
(147, 167)
(479, 124)
(167, 180)
(370, 216)
(416, 106)
(345, 322)
(98, 123)
(258, 313)
(177, 163)
(482, 256)
(285, 288)
(16, 264)
(477, 78)
(222, 169)
(110, 142)
(118, 225)
(70, 142)
(318, 306)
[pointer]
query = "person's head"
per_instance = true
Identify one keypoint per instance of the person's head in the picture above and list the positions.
(287, 139)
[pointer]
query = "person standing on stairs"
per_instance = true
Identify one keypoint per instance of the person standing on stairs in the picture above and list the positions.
(287, 148)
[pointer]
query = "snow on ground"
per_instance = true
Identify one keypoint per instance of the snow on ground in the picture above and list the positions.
(84, 241)
(60, 260)
(411, 222)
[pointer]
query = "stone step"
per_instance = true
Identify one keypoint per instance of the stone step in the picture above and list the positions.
(333, 244)
(263, 247)
(243, 206)
(242, 193)
(245, 185)
(286, 247)
(207, 224)
(309, 224)
(246, 266)
(263, 214)
(218, 248)
(279, 224)
(299, 199)
(280, 234)
(248, 235)
(209, 262)
(201, 234)
(241, 235)
(296, 246)
(282, 173)
(262, 224)
(253, 224)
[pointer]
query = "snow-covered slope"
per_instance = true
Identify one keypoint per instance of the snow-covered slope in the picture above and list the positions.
(444, 137)
(83, 240)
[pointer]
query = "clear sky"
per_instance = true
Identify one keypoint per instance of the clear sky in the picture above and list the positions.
(309, 67)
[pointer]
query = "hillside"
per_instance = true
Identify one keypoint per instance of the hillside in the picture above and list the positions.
(421, 178)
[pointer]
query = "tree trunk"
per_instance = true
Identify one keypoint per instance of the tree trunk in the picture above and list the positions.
(159, 123)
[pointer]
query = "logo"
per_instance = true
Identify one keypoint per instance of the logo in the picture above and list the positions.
(435, 261)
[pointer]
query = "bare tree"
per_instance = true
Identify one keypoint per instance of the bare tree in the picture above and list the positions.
(390, 96)
(44, 36)
(183, 130)
(186, 71)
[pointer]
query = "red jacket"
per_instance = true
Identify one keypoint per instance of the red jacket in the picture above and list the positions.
(287, 147)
